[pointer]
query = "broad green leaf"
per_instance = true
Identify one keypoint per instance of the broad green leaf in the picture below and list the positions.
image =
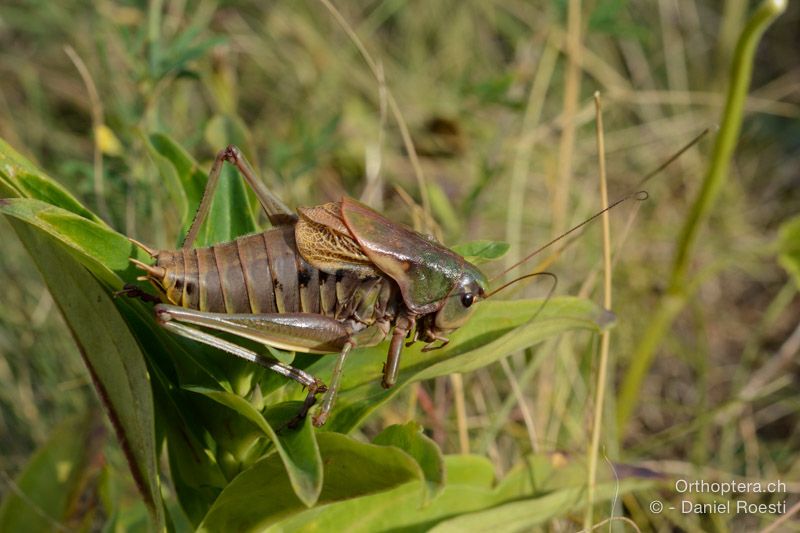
(468, 489)
(284, 356)
(64, 469)
(497, 329)
(109, 351)
(262, 495)
(409, 438)
(297, 448)
(493, 90)
(525, 514)
(534, 322)
(789, 248)
(200, 467)
(477, 252)
(394, 510)
(474, 470)
(192, 178)
(180, 415)
(466, 494)
(22, 179)
(99, 248)
(173, 181)
(105, 252)
(230, 215)
(194, 471)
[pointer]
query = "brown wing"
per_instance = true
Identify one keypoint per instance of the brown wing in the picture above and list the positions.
(425, 271)
(325, 242)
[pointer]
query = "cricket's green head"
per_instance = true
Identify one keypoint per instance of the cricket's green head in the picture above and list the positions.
(459, 304)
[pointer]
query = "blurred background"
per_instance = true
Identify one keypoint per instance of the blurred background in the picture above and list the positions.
(497, 96)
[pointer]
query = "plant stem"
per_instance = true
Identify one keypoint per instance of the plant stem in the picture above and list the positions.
(715, 179)
(605, 338)
(461, 412)
(741, 74)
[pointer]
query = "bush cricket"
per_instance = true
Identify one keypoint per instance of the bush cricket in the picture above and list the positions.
(323, 280)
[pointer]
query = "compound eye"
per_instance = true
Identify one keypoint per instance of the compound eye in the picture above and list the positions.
(467, 299)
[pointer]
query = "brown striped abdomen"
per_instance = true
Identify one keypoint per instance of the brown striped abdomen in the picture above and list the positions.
(264, 273)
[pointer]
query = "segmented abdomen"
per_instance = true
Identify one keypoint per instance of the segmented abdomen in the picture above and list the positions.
(264, 273)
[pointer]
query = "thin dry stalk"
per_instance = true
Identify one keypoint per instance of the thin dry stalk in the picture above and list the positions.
(523, 404)
(457, 381)
(605, 338)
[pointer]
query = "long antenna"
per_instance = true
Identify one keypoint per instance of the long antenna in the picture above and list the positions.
(526, 276)
(675, 156)
(640, 195)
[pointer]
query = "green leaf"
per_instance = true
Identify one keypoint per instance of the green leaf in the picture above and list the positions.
(789, 248)
(608, 16)
(105, 252)
(63, 470)
(516, 324)
(409, 438)
(466, 494)
(21, 178)
(195, 473)
(110, 353)
(523, 515)
(394, 510)
(297, 448)
(174, 183)
(474, 470)
(262, 495)
(230, 215)
(284, 356)
(477, 252)
(192, 179)
(180, 418)
(469, 481)
(497, 329)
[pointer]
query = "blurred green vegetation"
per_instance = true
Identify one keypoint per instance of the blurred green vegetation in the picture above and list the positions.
(482, 86)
